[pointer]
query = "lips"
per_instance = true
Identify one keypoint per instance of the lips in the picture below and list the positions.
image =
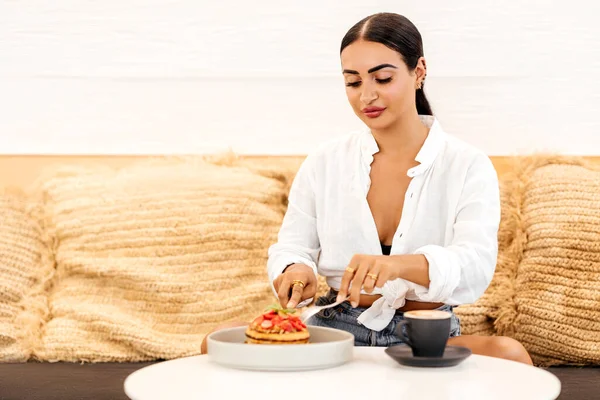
(373, 112)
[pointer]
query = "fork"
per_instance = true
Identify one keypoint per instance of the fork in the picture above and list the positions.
(309, 312)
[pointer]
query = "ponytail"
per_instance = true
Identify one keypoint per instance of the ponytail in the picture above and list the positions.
(423, 107)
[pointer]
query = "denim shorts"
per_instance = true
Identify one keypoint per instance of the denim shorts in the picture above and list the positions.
(344, 317)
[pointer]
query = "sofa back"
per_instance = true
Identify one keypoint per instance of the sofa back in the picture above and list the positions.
(22, 170)
(137, 258)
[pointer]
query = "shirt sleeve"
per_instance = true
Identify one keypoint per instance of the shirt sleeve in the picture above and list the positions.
(461, 272)
(298, 241)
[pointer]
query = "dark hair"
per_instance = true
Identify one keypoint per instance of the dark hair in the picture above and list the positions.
(398, 33)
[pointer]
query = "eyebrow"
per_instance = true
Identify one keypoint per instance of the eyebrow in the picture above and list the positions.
(374, 69)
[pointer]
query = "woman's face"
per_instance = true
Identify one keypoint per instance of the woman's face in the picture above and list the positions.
(379, 86)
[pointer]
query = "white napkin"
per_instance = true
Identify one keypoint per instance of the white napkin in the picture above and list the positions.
(382, 311)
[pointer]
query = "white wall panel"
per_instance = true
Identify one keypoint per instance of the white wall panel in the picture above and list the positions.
(161, 76)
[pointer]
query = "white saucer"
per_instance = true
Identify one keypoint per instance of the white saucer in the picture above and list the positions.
(327, 348)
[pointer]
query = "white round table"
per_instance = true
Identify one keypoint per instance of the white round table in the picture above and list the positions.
(370, 375)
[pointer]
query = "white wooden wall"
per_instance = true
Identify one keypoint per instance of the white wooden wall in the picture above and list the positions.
(194, 76)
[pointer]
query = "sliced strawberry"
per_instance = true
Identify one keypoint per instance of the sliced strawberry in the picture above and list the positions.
(287, 326)
(297, 325)
(266, 324)
(269, 315)
(276, 320)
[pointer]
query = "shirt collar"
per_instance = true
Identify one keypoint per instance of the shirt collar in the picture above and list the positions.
(425, 157)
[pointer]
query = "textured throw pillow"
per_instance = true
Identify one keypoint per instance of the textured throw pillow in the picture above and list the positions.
(151, 257)
(24, 268)
(554, 308)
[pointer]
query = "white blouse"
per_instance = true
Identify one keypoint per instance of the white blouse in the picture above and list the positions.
(451, 215)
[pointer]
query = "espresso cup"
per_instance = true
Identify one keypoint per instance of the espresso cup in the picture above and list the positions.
(427, 331)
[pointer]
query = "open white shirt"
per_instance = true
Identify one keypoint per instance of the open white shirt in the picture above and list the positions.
(451, 215)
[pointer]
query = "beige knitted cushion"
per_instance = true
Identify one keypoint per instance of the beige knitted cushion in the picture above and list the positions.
(554, 305)
(153, 256)
(24, 268)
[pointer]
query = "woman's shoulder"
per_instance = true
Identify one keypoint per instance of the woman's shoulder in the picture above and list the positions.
(331, 156)
(462, 154)
(337, 149)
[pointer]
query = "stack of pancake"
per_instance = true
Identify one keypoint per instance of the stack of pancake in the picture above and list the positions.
(277, 326)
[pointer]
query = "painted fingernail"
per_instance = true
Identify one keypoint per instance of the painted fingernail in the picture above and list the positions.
(290, 305)
(354, 304)
(339, 298)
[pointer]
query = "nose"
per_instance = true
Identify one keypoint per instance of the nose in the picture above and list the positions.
(368, 93)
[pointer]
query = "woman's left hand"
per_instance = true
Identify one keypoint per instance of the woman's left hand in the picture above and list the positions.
(368, 272)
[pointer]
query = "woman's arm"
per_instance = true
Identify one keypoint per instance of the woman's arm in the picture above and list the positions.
(461, 272)
(298, 241)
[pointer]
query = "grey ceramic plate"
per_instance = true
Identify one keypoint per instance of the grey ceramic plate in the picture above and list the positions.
(453, 355)
(327, 348)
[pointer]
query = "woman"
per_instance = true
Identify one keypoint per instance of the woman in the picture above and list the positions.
(402, 217)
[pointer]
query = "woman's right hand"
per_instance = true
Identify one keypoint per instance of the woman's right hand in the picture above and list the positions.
(283, 285)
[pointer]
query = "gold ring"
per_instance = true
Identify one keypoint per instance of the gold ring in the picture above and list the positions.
(351, 270)
(298, 282)
(373, 276)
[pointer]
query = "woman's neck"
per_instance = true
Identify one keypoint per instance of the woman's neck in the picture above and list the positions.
(403, 139)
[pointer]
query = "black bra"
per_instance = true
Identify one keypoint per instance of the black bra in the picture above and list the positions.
(385, 249)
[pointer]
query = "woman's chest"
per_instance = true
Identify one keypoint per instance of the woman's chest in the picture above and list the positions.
(411, 212)
(388, 187)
